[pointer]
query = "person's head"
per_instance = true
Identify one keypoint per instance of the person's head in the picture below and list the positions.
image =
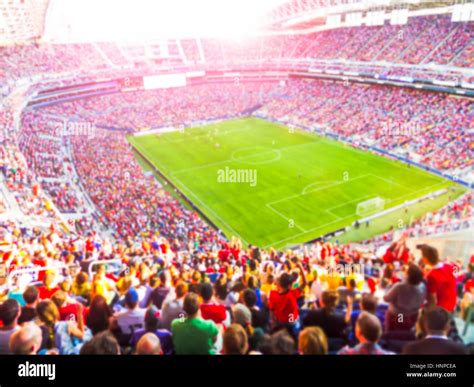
(104, 343)
(9, 312)
(206, 291)
(99, 313)
(66, 286)
(30, 295)
(47, 312)
(329, 300)
(131, 298)
(352, 285)
(26, 341)
(270, 278)
(149, 344)
(181, 289)
(152, 320)
(196, 277)
(284, 282)
(283, 343)
(49, 277)
(368, 328)
(414, 275)
(242, 315)
(191, 304)
(436, 320)
(369, 303)
(250, 298)
(81, 278)
(101, 271)
(429, 254)
(235, 340)
(252, 282)
(59, 298)
(313, 341)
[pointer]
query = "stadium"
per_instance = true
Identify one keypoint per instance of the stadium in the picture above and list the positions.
(236, 177)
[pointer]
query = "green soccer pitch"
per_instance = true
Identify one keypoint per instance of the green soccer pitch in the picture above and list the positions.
(274, 186)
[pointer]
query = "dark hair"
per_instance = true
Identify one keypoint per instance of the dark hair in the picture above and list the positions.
(415, 275)
(59, 298)
(151, 320)
(99, 313)
(220, 289)
(30, 294)
(252, 282)
(285, 280)
(369, 303)
(206, 291)
(104, 343)
(9, 311)
(430, 253)
(181, 289)
(436, 319)
(191, 304)
(283, 343)
(330, 299)
(81, 278)
(370, 326)
(265, 345)
(250, 297)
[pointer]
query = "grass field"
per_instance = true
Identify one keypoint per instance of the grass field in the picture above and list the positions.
(273, 186)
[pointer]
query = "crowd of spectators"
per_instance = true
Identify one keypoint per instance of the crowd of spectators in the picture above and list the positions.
(422, 40)
(165, 282)
(65, 297)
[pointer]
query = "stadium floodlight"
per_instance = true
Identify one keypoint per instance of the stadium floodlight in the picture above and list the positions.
(146, 20)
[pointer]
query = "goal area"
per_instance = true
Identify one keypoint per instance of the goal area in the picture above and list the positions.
(371, 206)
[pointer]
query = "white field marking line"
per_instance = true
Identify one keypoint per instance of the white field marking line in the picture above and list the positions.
(307, 231)
(233, 160)
(346, 217)
(391, 182)
(317, 189)
(191, 193)
(242, 160)
(332, 213)
(211, 210)
(321, 184)
(284, 217)
(329, 210)
(414, 192)
(351, 201)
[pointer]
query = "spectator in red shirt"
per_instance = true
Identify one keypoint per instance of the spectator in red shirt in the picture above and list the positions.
(68, 311)
(47, 290)
(283, 302)
(440, 281)
(209, 309)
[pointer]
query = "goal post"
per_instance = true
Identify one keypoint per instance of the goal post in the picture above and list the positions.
(371, 206)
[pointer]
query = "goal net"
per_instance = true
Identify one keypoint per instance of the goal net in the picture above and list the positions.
(370, 206)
